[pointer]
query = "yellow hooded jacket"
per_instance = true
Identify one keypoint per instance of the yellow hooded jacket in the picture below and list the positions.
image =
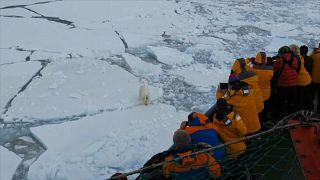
(244, 106)
(304, 77)
(316, 65)
(244, 69)
(265, 74)
(236, 130)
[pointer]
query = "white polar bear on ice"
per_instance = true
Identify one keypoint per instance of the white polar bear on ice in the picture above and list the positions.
(144, 95)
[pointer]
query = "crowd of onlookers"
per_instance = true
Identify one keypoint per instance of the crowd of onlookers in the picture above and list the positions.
(282, 84)
(296, 80)
(260, 91)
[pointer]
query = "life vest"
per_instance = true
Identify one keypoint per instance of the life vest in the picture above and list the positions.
(190, 166)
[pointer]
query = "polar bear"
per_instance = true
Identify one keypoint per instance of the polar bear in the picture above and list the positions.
(144, 95)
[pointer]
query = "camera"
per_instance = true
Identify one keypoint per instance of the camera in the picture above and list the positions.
(223, 86)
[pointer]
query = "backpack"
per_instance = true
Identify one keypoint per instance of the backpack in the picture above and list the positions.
(199, 173)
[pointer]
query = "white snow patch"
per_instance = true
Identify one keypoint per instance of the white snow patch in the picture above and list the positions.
(60, 39)
(282, 29)
(51, 55)
(278, 42)
(311, 29)
(217, 51)
(26, 139)
(202, 75)
(140, 22)
(13, 77)
(170, 56)
(12, 56)
(140, 67)
(17, 147)
(8, 163)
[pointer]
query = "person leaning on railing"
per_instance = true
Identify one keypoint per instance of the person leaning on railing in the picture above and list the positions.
(230, 127)
(239, 95)
(182, 164)
(265, 73)
(243, 68)
(201, 130)
(287, 68)
(304, 90)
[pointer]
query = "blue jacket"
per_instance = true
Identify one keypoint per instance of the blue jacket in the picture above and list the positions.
(201, 130)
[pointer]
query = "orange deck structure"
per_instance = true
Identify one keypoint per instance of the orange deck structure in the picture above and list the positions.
(306, 140)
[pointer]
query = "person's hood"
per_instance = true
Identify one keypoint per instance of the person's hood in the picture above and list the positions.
(198, 119)
(261, 58)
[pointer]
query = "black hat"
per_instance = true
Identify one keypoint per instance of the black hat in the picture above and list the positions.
(304, 49)
(222, 103)
(181, 138)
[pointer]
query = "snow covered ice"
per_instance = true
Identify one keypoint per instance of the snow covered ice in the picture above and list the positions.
(109, 142)
(8, 164)
(69, 88)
